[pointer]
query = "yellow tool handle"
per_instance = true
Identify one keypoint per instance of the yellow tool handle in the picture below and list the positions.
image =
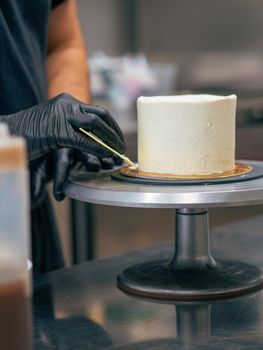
(103, 144)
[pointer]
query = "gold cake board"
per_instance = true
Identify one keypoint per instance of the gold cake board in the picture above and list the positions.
(239, 169)
(241, 172)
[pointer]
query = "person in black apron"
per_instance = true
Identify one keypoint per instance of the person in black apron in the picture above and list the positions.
(31, 79)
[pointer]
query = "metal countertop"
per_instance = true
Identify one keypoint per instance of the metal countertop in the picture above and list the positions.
(81, 307)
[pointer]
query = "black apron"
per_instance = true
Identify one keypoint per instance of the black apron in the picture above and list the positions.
(23, 41)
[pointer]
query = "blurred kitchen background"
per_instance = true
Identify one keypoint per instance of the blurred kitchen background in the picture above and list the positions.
(151, 47)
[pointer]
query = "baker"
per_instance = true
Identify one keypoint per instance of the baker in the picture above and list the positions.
(42, 66)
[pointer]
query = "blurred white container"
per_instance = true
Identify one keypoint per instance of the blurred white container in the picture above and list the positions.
(15, 286)
(166, 75)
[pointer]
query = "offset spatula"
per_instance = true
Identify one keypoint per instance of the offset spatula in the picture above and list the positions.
(103, 144)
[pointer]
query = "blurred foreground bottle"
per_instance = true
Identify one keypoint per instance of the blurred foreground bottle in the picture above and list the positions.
(15, 286)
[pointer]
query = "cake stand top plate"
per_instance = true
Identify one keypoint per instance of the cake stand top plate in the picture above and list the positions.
(104, 190)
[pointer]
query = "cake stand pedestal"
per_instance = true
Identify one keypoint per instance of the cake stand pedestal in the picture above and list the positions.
(192, 274)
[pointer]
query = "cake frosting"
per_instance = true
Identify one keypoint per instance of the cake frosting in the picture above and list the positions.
(186, 134)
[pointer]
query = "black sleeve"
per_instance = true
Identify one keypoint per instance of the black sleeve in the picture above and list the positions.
(56, 2)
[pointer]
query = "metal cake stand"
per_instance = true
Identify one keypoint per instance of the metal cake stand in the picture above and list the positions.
(192, 274)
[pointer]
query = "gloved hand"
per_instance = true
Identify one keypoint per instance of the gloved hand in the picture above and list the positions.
(65, 159)
(40, 175)
(56, 167)
(54, 124)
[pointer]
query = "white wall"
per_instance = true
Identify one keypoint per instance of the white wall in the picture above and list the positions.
(174, 26)
(101, 23)
(181, 26)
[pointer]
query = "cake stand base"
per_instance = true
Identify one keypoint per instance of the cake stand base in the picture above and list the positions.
(192, 274)
(158, 280)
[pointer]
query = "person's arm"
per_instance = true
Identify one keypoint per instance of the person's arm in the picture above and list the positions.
(67, 69)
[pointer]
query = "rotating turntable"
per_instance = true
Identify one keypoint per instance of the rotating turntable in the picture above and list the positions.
(192, 274)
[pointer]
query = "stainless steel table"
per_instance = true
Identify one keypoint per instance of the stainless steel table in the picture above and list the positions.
(81, 307)
(193, 274)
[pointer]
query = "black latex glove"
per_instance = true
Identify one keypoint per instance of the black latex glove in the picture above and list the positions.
(40, 175)
(57, 166)
(62, 161)
(54, 124)
(65, 159)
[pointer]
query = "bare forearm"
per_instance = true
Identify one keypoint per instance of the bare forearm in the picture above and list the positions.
(67, 71)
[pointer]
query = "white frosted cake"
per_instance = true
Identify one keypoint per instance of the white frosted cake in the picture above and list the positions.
(187, 134)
